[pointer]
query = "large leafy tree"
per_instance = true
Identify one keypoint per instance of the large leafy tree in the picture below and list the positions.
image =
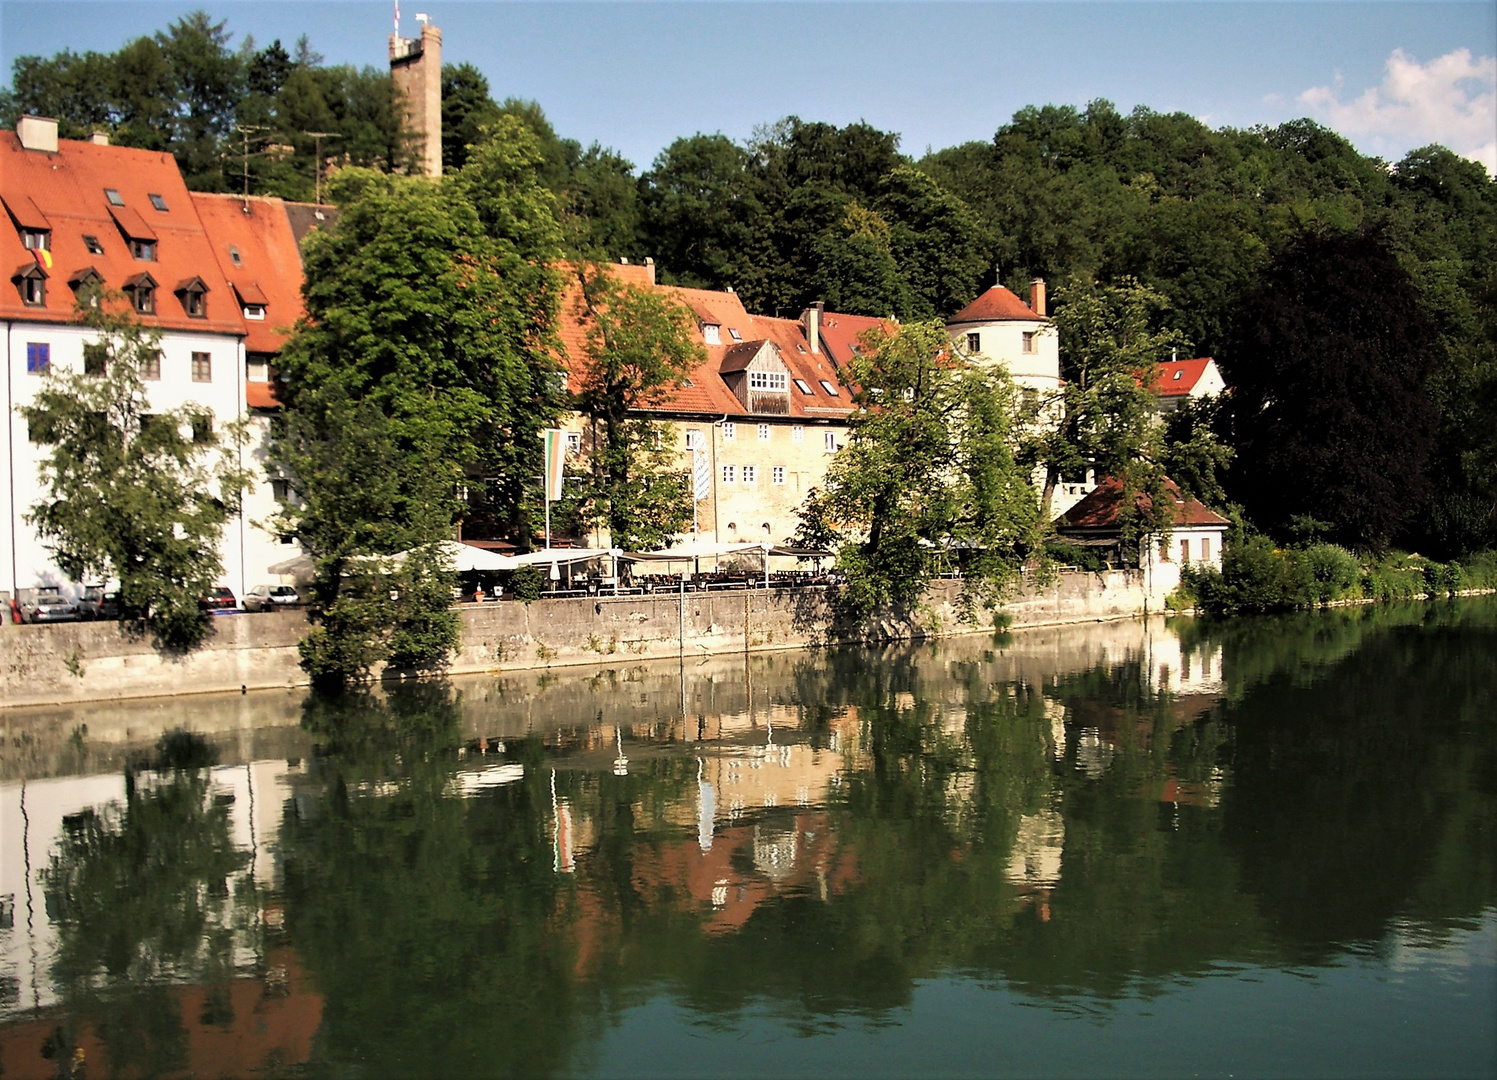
(638, 348)
(929, 476)
(134, 492)
(1330, 411)
(422, 368)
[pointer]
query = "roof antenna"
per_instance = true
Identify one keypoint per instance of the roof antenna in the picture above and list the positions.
(1174, 354)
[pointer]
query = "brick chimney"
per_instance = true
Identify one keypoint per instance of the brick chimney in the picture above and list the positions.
(416, 68)
(1037, 296)
(650, 264)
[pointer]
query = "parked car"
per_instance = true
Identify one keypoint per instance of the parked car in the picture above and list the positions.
(48, 605)
(271, 597)
(97, 603)
(219, 601)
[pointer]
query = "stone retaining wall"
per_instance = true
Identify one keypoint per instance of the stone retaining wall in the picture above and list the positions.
(78, 662)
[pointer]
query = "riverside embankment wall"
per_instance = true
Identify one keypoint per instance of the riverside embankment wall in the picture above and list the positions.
(79, 662)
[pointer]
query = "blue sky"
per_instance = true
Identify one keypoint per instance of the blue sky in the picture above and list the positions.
(634, 76)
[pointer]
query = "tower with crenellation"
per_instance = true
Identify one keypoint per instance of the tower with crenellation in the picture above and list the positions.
(416, 69)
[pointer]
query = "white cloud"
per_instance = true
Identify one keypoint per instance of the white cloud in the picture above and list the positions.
(1450, 100)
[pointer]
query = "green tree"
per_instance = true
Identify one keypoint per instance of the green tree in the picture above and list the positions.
(929, 476)
(639, 346)
(133, 491)
(467, 109)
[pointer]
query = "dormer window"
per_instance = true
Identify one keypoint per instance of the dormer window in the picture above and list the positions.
(32, 283)
(87, 284)
(142, 291)
(711, 334)
(144, 250)
(36, 239)
(114, 197)
(194, 296)
(91, 242)
(254, 312)
(157, 201)
(771, 381)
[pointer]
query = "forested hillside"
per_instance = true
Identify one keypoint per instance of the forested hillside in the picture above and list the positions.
(1236, 230)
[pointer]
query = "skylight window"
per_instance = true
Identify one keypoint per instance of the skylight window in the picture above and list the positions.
(829, 388)
(803, 386)
(1178, 374)
(734, 334)
(234, 256)
(92, 243)
(157, 201)
(114, 197)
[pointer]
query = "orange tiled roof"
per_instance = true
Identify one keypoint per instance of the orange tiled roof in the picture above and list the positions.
(996, 305)
(705, 392)
(1099, 510)
(1177, 378)
(269, 269)
(66, 190)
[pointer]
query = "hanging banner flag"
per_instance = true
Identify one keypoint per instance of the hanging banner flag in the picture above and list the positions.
(556, 457)
(44, 257)
(701, 475)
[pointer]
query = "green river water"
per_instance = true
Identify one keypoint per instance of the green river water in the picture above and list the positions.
(1258, 847)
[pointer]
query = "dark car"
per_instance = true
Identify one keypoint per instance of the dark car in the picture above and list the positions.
(48, 605)
(219, 601)
(271, 597)
(96, 603)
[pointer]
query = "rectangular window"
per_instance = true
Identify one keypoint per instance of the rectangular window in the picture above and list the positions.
(764, 430)
(196, 304)
(730, 474)
(734, 334)
(1184, 552)
(777, 474)
(38, 357)
(974, 343)
(1164, 551)
(157, 201)
(797, 433)
(234, 256)
(202, 429)
(710, 334)
(145, 299)
(828, 387)
(34, 291)
(750, 474)
(257, 370)
(144, 250)
(1205, 549)
(113, 196)
(776, 381)
(150, 367)
(803, 386)
(95, 358)
(730, 431)
(280, 490)
(693, 438)
(36, 239)
(202, 367)
(574, 442)
(1029, 341)
(1031, 398)
(830, 442)
(91, 242)
(254, 312)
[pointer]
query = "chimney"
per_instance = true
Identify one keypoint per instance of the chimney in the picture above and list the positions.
(811, 320)
(650, 265)
(99, 138)
(37, 133)
(1037, 296)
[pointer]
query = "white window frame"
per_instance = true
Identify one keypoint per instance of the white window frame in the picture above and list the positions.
(730, 431)
(774, 382)
(751, 474)
(712, 333)
(830, 388)
(777, 475)
(797, 432)
(693, 438)
(730, 474)
(765, 432)
(829, 442)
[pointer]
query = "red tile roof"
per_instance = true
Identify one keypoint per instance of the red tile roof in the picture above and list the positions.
(1099, 510)
(1178, 377)
(261, 395)
(66, 190)
(996, 305)
(269, 270)
(705, 392)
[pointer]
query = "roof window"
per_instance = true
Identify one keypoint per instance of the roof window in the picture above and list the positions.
(91, 242)
(32, 282)
(36, 239)
(710, 334)
(734, 334)
(114, 197)
(157, 201)
(803, 386)
(234, 256)
(144, 250)
(828, 387)
(1178, 374)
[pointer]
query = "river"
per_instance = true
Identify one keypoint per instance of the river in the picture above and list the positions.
(1249, 847)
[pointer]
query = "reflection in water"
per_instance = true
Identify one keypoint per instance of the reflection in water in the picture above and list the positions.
(1150, 832)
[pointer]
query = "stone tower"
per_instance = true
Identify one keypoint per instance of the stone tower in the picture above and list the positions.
(416, 68)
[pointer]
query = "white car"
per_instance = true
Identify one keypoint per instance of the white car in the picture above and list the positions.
(271, 597)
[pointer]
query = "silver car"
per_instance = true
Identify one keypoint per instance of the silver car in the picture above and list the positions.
(271, 597)
(48, 605)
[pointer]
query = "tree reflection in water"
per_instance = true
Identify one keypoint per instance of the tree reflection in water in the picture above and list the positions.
(1266, 792)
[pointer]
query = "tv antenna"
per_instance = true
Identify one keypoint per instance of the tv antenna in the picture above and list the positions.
(244, 136)
(317, 137)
